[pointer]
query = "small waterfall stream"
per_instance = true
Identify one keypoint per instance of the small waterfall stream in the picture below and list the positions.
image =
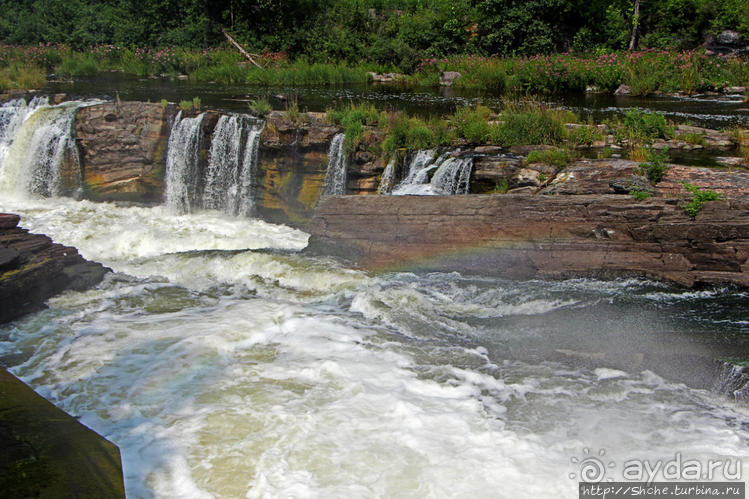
(227, 182)
(449, 175)
(335, 177)
(36, 142)
(387, 179)
(182, 169)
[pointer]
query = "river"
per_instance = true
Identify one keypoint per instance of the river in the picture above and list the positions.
(225, 363)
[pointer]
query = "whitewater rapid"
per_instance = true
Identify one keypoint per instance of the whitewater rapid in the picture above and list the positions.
(224, 363)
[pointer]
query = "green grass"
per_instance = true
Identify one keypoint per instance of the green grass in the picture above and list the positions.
(639, 195)
(260, 106)
(693, 138)
(558, 157)
(21, 76)
(526, 123)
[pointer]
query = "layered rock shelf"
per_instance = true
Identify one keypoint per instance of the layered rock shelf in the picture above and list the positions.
(33, 269)
(522, 236)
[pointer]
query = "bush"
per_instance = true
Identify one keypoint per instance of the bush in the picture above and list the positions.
(530, 124)
(555, 156)
(646, 126)
(639, 195)
(260, 106)
(472, 124)
(699, 197)
(656, 167)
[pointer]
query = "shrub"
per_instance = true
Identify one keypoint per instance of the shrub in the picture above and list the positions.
(656, 167)
(473, 123)
(260, 106)
(639, 195)
(699, 197)
(530, 123)
(559, 157)
(693, 138)
(185, 105)
(646, 126)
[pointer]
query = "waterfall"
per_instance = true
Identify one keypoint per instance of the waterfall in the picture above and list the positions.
(387, 178)
(35, 142)
(449, 175)
(182, 169)
(231, 165)
(453, 176)
(12, 115)
(335, 177)
(226, 183)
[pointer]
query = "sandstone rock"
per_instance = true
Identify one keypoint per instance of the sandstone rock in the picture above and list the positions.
(33, 269)
(123, 144)
(625, 185)
(447, 78)
(386, 77)
(623, 90)
(487, 149)
(9, 220)
(590, 176)
(729, 37)
(523, 236)
(730, 161)
(730, 185)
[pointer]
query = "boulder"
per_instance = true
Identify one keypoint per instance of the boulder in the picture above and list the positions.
(33, 269)
(447, 78)
(623, 90)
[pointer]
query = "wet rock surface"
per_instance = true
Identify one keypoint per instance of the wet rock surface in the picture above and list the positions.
(524, 236)
(46, 453)
(123, 147)
(33, 269)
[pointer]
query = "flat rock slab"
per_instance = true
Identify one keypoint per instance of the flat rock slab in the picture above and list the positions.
(9, 220)
(523, 236)
(46, 453)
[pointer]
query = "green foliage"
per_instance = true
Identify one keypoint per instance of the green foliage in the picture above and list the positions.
(699, 197)
(196, 103)
(164, 103)
(604, 153)
(185, 105)
(472, 124)
(693, 138)
(646, 126)
(584, 135)
(21, 76)
(555, 156)
(639, 195)
(261, 106)
(656, 166)
(530, 123)
(501, 188)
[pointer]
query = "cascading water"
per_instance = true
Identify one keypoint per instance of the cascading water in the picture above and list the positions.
(231, 162)
(335, 177)
(449, 175)
(387, 179)
(35, 142)
(12, 115)
(227, 184)
(182, 168)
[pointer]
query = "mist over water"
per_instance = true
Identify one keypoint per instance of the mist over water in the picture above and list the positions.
(223, 363)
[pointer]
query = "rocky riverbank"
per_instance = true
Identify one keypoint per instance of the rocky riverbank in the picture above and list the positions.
(523, 236)
(33, 269)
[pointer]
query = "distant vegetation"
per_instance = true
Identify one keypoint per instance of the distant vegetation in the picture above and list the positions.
(539, 46)
(386, 32)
